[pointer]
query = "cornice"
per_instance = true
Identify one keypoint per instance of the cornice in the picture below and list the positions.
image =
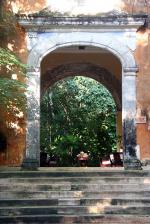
(45, 23)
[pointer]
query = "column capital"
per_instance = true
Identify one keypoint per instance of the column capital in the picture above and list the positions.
(130, 71)
(31, 69)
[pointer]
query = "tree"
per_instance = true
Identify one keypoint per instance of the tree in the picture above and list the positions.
(78, 114)
(11, 90)
(12, 71)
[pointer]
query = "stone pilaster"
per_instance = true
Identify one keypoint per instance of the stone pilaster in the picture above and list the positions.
(31, 159)
(131, 161)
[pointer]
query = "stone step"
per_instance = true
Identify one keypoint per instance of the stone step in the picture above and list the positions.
(81, 180)
(74, 173)
(74, 194)
(28, 202)
(35, 187)
(99, 201)
(73, 201)
(74, 219)
(70, 210)
(110, 187)
(74, 187)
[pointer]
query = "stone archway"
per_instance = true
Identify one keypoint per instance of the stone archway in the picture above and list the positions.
(45, 44)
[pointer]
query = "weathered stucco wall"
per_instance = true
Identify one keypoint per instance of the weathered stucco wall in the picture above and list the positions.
(12, 127)
(82, 6)
(142, 55)
(16, 136)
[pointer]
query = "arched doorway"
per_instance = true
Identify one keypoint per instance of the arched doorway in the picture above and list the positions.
(46, 44)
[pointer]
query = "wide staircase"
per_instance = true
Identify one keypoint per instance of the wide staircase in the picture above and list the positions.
(75, 195)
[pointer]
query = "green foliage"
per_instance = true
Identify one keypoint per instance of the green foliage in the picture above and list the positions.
(11, 90)
(8, 58)
(12, 95)
(77, 114)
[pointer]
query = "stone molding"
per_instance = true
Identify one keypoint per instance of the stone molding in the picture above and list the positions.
(33, 69)
(45, 22)
(130, 71)
(147, 22)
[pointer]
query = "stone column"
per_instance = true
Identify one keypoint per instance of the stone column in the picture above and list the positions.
(119, 129)
(128, 119)
(32, 154)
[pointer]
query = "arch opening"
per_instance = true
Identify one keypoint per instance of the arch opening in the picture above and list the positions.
(87, 61)
(77, 114)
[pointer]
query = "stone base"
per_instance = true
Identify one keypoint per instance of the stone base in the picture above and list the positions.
(132, 164)
(30, 164)
(145, 162)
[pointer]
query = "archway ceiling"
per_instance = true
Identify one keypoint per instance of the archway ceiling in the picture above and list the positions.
(82, 49)
(84, 69)
(85, 54)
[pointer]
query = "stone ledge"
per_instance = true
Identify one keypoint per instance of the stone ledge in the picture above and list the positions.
(108, 21)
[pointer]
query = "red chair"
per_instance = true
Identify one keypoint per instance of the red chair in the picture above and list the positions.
(106, 162)
(117, 159)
